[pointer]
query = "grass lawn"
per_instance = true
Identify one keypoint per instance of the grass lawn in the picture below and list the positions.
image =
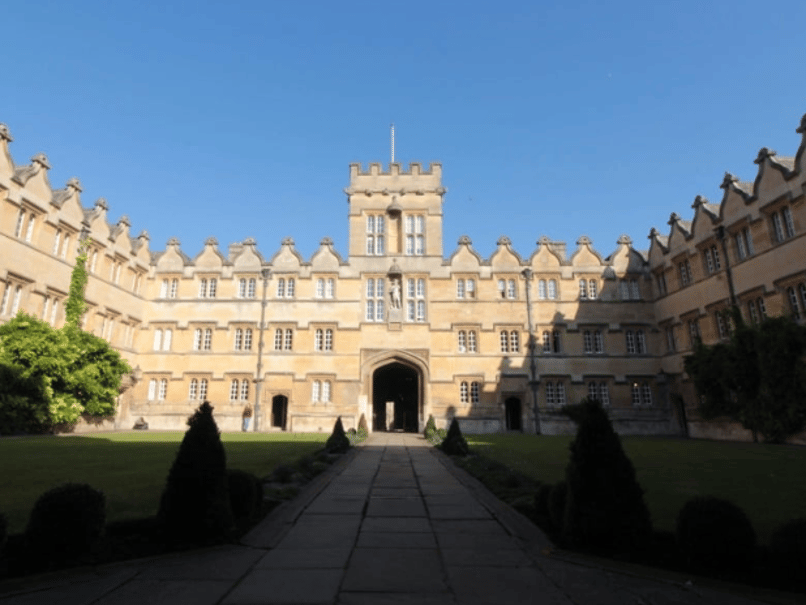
(130, 468)
(766, 481)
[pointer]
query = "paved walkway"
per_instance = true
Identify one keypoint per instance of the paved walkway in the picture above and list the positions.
(395, 524)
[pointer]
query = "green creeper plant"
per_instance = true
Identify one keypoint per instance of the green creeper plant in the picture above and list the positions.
(76, 305)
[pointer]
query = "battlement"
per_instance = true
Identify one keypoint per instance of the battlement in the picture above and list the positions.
(395, 179)
(376, 169)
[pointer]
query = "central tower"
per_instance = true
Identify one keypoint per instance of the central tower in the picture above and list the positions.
(396, 213)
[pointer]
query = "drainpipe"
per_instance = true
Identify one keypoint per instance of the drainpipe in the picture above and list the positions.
(533, 381)
(720, 235)
(265, 273)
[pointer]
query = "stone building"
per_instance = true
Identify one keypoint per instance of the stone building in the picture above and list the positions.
(400, 328)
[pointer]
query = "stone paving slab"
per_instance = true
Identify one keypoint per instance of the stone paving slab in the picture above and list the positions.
(460, 511)
(337, 506)
(396, 507)
(66, 589)
(394, 570)
(167, 592)
(223, 563)
(377, 598)
(321, 531)
(282, 586)
(309, 558)
(415, 524)
(395, 492)
(371, 539)
(498, 585)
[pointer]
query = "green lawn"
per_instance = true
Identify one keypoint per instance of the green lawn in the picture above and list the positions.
(767, 481)
(130, 468)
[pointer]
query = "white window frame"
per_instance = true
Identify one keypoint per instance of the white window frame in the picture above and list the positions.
(789, 223)
(475, 389)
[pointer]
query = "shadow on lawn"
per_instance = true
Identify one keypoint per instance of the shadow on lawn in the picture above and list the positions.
(128, 466)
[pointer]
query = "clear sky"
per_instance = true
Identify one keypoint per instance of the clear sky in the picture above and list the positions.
(239, 119)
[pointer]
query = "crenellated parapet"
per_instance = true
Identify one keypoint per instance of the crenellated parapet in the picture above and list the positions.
(395, 181)
(744, 204)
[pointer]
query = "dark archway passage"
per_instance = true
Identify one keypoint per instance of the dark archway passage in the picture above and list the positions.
(512, 411)
(279, 411)
(396, 383)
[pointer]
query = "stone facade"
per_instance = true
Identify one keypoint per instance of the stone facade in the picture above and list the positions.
(397, 330)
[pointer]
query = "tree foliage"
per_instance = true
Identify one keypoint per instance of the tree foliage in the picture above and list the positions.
(53, 376)
(757, 378)
(58, 374)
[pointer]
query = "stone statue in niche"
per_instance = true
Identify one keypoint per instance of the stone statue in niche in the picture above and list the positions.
(394, 292)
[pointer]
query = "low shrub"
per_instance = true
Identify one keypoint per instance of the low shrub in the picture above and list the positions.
(305, 468)
(245, 495)
(788, 550)
(454, 443)
(283, 473)
(557, 499)
(363, 428)
(715, 535)
(338, 441)
(542, 500)
(430, 428)
(66, 525)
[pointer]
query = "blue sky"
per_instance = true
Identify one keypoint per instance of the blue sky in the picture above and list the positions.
(239, 119)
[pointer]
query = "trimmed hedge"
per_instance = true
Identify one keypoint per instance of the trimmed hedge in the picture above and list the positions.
(65, 526)
(245, 495)
(715, 535)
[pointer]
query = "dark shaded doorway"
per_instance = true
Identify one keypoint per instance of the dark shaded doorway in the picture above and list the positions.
(512, 412)
(395, 388)
(279, 411)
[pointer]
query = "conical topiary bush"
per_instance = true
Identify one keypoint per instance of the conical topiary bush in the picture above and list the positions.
(604, 503)
(337, 443)
(195, 505)
(454, 443)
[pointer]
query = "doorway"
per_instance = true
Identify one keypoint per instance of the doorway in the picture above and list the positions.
(395, 398)
(512, 414)
(279, 411)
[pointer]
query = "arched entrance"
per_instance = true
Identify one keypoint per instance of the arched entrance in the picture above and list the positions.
(279, 411)
(395, 398)
(512, 413)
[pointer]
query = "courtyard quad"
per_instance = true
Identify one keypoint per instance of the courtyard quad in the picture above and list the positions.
(129, 467)
(766, 481)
